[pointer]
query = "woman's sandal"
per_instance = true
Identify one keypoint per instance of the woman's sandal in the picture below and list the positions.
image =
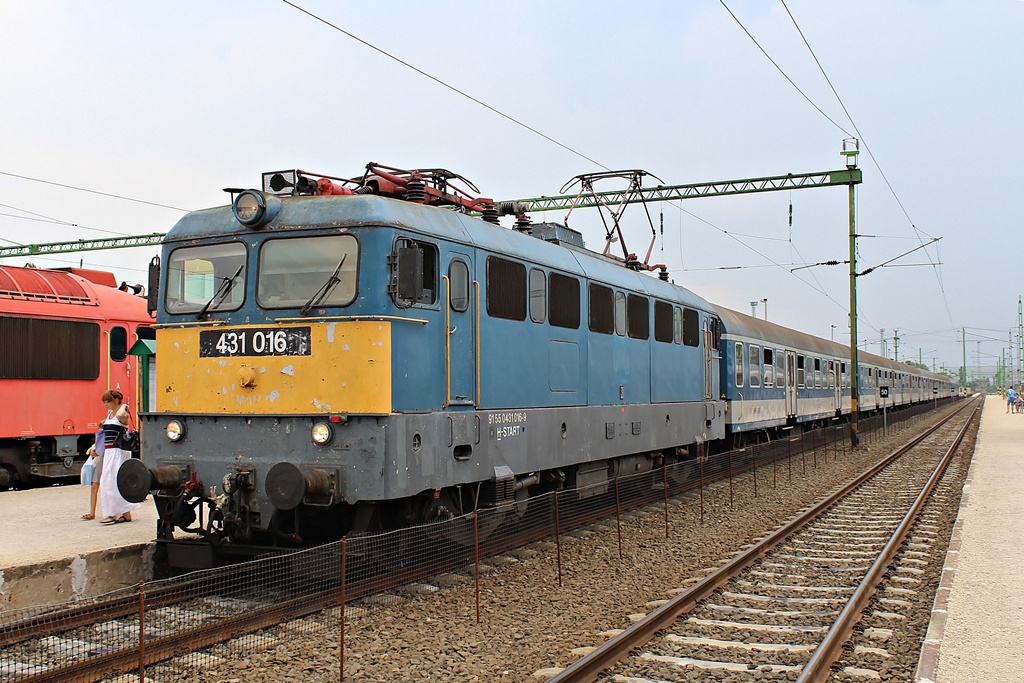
(116, 520)
(88, 516)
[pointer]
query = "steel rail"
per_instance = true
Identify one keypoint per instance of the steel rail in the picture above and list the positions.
(590, 667)
(819, 668)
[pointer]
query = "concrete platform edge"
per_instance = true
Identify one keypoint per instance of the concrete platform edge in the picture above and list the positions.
(72, 578)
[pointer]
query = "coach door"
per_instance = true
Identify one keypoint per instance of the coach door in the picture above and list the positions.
(460, 335)
(790, 383)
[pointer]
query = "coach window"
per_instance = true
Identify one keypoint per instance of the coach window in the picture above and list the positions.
(538, 295)
(506, 289)
(600, 309)
(738, 355)
(817, 373)
(780, 371)
(831, 374)
(677, 325)
(662, 321)
(800, 371)
(769, 368)
(755, 365)
(842, 374)
(458, 281)
(211, 274)
(565, 301)
(620, 313)
(638, 317)
(691, 327)
(314, 271)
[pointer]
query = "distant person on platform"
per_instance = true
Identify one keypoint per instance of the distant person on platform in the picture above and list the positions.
(1011, 399)
(116, 508)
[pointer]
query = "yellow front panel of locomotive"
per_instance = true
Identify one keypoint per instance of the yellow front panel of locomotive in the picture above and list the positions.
(321, 367)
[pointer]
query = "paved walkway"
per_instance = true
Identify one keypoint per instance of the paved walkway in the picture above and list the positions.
(41, 525)
(983, 635)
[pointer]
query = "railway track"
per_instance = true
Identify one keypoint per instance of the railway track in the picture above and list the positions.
(785, 608)
(95, 639)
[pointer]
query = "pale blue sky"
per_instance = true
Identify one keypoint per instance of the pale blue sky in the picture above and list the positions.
(171, 102)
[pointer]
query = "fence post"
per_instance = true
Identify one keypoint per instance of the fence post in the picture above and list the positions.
(753, 460)
(700, 463)
(341, 618)
(664, 483)
(618, 517)
(730, 477)
(558, 541)
(142, 631)
(476, 558)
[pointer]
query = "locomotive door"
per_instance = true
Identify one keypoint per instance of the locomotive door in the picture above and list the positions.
(460, 336)
(709, 356)
(790, 383)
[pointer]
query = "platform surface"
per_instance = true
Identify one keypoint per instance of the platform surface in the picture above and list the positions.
(41, 525)
(980, 637)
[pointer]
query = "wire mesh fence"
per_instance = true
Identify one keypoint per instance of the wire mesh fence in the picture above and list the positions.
(159, 628)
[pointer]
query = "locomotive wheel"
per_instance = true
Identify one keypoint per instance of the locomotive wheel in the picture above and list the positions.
(444, 521)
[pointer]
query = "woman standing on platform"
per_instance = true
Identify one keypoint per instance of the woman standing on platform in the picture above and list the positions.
(116, 508)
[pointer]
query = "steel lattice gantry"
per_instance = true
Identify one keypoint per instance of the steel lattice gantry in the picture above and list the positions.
(791, 181)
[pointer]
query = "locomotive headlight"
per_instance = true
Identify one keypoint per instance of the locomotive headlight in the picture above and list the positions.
(249, 207)
(175, 430)
(322, 433)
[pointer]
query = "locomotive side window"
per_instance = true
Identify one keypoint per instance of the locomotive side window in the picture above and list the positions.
(755, 365)
(413, 273)
(538, 295)
(211, 274)
(638, 317)
(691, 327)
(769, 368)
(800, 371)
(36, 348)
(118, 343)
(458, 281)
(506, 289)
(739, 370)
(145, 333)
(620, 313)
(662, 321)
(565, 301)
(677, 325)
(319, 271)
(600, 309)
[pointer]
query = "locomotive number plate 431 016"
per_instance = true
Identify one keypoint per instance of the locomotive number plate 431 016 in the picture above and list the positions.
(254, 341)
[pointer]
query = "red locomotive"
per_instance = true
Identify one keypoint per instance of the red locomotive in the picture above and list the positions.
(64, 340)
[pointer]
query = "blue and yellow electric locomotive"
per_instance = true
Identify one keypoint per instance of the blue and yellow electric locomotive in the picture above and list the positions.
(340, 356)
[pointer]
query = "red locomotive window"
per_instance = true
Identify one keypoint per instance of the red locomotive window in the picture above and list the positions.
(118, 343)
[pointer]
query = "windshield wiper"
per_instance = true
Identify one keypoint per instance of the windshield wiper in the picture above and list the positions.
(325, 289)
(221, 292)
